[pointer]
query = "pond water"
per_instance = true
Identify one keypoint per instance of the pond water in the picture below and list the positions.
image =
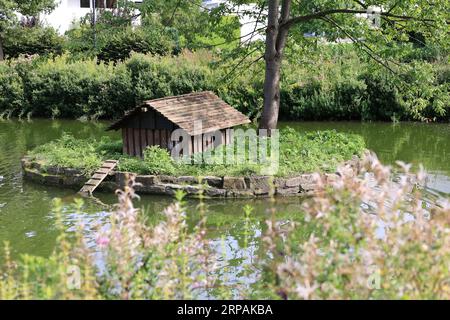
(27, 222)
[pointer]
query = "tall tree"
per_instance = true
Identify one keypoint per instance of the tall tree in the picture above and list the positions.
(9, 8)
(347, 18)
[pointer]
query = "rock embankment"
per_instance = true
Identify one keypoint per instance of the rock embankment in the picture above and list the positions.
(211, 186)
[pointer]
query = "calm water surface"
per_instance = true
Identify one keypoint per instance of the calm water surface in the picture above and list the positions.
(27, 222)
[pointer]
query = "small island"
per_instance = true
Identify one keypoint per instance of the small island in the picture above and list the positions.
(69, 162)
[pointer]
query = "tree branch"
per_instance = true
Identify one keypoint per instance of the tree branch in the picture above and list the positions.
(364, 47)
(282, 34)
(272, 29)
(318, 15)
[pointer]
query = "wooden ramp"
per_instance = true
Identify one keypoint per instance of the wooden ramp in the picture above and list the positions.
(98, 177)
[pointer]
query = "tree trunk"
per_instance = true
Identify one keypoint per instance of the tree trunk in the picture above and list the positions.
(272, 77)
(275, 43)
(271, 107)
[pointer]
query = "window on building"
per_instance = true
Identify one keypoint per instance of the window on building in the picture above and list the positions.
(110, 4)
(85, 3)
(99, 3)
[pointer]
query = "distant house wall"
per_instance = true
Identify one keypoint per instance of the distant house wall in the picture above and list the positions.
(68, 13)
(248, 24)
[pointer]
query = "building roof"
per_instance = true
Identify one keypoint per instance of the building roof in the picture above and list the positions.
(184, 110)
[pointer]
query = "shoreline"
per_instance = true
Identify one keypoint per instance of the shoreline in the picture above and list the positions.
(253, 186)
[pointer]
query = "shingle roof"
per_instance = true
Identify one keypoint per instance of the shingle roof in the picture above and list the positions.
(183, 110)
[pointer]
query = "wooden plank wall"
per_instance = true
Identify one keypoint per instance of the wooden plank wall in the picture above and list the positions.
(136, 140)
(197, 144)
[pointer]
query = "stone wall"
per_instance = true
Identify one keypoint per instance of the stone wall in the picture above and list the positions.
(234, 187)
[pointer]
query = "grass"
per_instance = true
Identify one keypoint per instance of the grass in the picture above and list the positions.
(319, 151)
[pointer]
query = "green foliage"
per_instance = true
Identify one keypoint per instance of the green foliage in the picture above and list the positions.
(119, 46)
(340, 246)
(72, 89)
(343, 246)
(184, 20)
(11, 97)
(327, 83)
(156, 161)
(163, 76)
(333, 83)
(76, 153)
(116, 43)
(319, 151)
(8, 16)
(32, 40)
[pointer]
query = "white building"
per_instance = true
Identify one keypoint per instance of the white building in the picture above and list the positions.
(249, 27)
(68, 12)
(211, 4)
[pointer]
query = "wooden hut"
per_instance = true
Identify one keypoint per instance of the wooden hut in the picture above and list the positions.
(153, 122)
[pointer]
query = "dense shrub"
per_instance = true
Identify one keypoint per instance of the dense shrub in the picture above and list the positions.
(337, 84)
(60, 89)
(312, 101)
(334, 86)
(11, 97)
(72, 89)
(120, 45)
(382, 98)
(32, 40)
(114, 39)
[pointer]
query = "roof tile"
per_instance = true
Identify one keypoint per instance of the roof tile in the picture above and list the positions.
(185, 109)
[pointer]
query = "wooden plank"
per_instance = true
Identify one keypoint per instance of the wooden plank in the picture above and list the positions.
(169, 140)
(130, 141)
(195, 144)
(222, 139)
(163, 135)
(98, 177)
(107, 165)
(150, 137)
(124, 141)
(156, 137)
(137, 145)
(144, 138)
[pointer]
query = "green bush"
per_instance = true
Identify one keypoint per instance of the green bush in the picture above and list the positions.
(72, 89)
(68, 90)
(342, 101)
(11, 97)
(162, 76)
(158, 160)
(336, 85)
(383, 99)
(339, 85)
(120, 45)
(29, 41)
